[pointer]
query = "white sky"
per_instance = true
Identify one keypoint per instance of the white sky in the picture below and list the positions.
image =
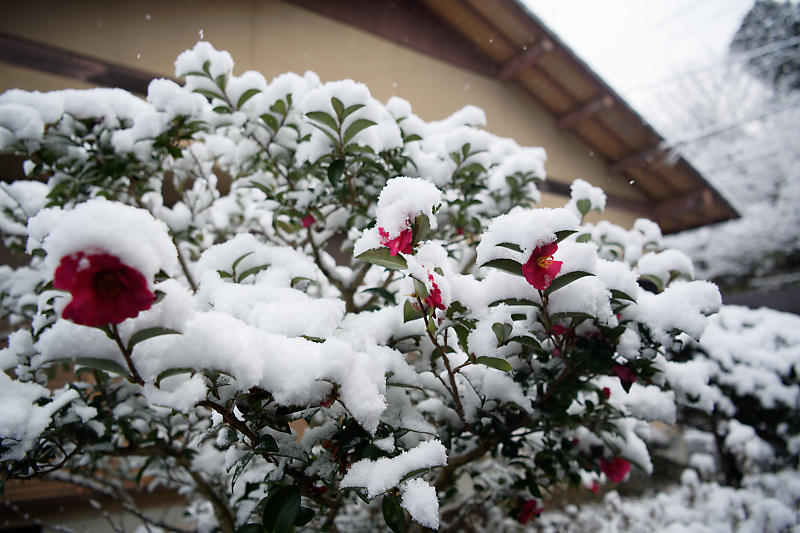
(636, 45)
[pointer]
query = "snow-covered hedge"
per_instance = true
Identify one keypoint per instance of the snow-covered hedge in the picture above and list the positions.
(288, 300)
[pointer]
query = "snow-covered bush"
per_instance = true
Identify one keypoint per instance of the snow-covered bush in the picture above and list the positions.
(742, 395)
(290, 301)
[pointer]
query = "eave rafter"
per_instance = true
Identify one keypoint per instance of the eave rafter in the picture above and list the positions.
(585, 111)
(525, 59)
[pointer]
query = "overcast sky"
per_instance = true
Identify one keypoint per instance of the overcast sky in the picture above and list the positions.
(635, 45)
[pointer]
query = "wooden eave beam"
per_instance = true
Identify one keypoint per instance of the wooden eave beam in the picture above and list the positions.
(642, 157)
(525, 59)
(693, 201)
(45, 58)
(582, 112)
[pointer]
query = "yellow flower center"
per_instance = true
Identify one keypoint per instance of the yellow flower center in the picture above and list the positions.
(544, 261)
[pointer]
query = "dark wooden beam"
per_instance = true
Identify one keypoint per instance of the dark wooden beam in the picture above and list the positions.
(642, 157)
(34, 55)
(410, 23)
(525, 59)
(582, 112)
(693, 201)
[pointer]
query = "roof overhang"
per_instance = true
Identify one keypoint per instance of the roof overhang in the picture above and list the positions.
(502, 39)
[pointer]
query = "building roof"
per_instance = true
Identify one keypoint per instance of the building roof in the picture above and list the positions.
(502, 39)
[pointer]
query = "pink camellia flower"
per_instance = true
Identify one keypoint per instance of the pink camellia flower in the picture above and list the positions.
(558, 329)
(401, 243)
(308, 220)
(624, 374)
(540, 269)
(616, 469)
(434, 297)
(104, 290)
(529, 510)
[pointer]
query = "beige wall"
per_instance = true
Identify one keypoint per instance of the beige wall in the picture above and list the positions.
(274, 37)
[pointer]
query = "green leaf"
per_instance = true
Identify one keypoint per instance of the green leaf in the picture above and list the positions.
(173, 372)
(494, 362)
(221, 81)
(563, 234)
(207, 67)
(300, 279)
(584, 206)
(382, 257)
(239, 260)
(278, 107)
(419, 288)
(413, 137)
(338, 107)
(350, 110)
(515, 301)
(335, 170)
(267, 444)
(501, 331)
(422, 227)
(223, 274)
(222, 109)
(462, 333)
(526, 340)
(241, 464)
(510, 246)
(106, 365)
(330, 135)
(148, 333)
(564, 280)
(270, 121)
(247, 95)
(586, 237)
(304, 516)
(250, 272)
(409, 313)
(324, 118)
(383, 293)
(507, 265)
(619, 295)
(655, 280)
(393, 514)
(209, 94)
(355, 127)
(281, 510)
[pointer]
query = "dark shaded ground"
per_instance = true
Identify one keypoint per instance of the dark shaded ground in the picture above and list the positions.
(786, 299)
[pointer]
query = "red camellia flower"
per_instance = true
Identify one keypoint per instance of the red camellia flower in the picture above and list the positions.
(308, 220)
(401, 243)
(607, 392)
(558, 329)
(624, 374)
(540, 269)
(529, 510)
(104, 290)
(434, 297)
(616, 469)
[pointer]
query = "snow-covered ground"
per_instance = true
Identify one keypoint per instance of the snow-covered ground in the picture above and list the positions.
(766, 503)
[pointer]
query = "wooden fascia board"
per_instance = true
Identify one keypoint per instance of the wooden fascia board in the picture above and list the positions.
(525, 59)
(42, 57)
